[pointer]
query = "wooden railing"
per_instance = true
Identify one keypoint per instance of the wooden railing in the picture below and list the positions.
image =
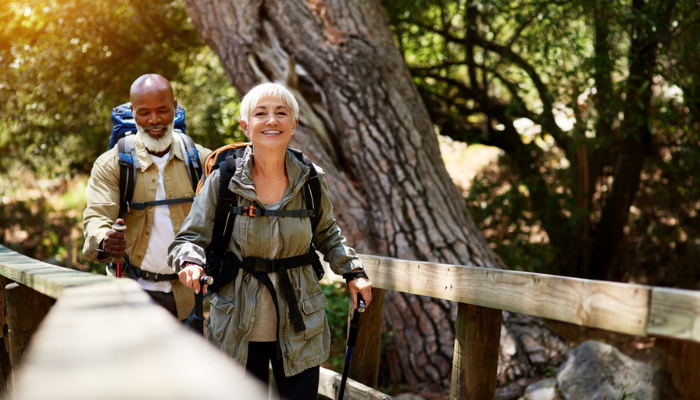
(106, 338)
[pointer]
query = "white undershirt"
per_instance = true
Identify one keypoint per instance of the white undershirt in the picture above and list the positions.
(162, 234)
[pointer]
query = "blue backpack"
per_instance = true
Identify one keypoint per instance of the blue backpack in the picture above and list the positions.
(123, 134)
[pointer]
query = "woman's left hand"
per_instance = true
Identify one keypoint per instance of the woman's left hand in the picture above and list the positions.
(364, 287)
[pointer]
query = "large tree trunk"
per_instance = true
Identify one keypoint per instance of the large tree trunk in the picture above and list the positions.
(364, 122)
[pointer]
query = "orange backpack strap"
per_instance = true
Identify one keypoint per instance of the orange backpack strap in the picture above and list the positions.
(210, 163)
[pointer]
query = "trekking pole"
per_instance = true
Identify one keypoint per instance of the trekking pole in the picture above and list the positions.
(352, 338)
(120, 228)
(199, 304)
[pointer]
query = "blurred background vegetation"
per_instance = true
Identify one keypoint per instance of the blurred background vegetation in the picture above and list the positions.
(533, 102)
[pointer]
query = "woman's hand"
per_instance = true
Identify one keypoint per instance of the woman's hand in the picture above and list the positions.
(189, 276)
(364, 287)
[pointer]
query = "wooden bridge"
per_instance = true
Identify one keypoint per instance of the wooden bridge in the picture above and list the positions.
(94, 337)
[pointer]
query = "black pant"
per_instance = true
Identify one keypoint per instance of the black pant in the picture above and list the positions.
(302, 386)
(166, 300)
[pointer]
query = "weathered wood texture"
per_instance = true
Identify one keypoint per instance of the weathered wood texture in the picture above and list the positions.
(329, 384)
(475, 360)
(106, 339)
(26, 308)
(44, 278)
(113, 342)
(5, 368)
(675, 313)
(676, 373)
(607, 305)
(364, 367)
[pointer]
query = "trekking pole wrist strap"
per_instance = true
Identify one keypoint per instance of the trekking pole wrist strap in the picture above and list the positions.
(351, 276)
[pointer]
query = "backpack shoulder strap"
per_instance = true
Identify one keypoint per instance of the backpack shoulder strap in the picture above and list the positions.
(226, 201)
(191, 156)
(128, 166)
(312, 188)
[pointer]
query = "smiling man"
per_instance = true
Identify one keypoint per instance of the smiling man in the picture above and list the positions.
(162, 176)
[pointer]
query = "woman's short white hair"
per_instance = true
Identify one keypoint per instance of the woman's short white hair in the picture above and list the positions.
(273, 89)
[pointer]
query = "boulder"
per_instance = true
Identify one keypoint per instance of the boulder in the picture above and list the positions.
(598, 371)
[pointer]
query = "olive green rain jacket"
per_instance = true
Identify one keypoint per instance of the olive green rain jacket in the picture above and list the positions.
(234, 307)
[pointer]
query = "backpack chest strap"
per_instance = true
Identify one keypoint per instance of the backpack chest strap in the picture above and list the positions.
(253, 211)
(142, 206)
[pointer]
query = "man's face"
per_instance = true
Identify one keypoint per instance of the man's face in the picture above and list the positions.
(153, 110)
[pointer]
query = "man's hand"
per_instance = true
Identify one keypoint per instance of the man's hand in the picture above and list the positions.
(364, 287)
(189, 276)
(114, 243)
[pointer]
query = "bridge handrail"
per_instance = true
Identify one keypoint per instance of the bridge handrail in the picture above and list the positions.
(105, 338)
(619, 307)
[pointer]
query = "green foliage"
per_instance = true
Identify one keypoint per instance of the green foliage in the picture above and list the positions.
(64, 66)
(337, 314)
(554, 85)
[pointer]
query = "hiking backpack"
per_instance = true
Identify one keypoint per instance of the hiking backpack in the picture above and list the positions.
(123, 134)
(227, 159)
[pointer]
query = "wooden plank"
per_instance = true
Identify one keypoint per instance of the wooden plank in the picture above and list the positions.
(5, 368)
(364, 367)
(675, 313)
(613, 306)
(329, 384)
(676, 374)
(26, 308)
(44, 278)
(113, 342)
(475, 361)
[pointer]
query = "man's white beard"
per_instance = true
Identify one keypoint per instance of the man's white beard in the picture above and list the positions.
(156, 145)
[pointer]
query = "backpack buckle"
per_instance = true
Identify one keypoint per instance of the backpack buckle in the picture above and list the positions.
(249, 211)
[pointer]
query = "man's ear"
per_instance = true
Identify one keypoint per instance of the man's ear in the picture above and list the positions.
(175, 105)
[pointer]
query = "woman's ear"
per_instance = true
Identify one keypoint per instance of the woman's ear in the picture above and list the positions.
(294, 125)
(244, 126)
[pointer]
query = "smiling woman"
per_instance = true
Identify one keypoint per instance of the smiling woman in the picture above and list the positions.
(289, 326)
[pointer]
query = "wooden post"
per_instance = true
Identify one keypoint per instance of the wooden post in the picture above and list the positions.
(364, 367)
(5, 368)
(477, 343)
(676, 373)
(26, 308)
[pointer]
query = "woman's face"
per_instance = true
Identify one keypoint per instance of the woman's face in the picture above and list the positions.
(271, 124)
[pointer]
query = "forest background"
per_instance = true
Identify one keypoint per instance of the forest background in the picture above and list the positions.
(571, 127)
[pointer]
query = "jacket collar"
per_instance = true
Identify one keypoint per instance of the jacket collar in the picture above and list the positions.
(145, 157)
(242, 181)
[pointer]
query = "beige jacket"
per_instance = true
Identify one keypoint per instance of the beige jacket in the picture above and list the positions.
(234, 308)
(103, 206)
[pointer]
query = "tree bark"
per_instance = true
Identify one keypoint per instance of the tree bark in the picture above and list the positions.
(363, 121)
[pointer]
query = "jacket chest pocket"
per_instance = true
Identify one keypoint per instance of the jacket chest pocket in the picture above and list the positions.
(314, 314)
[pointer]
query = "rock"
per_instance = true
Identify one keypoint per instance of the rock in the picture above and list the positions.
(510, 392)
(545, 389)
(408, 396)
(598, 371)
